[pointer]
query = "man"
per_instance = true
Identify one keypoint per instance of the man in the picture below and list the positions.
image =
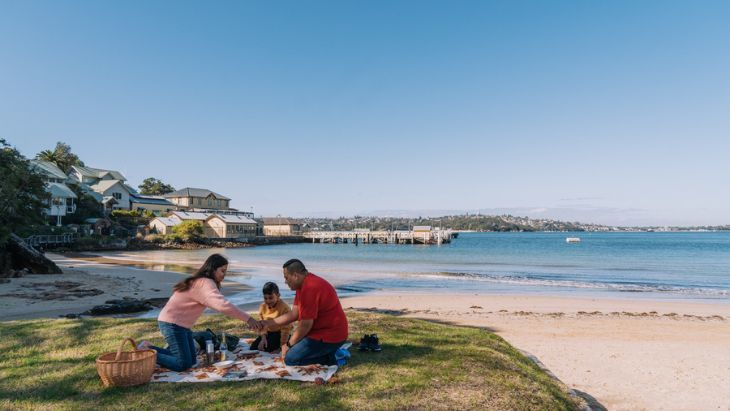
(322, 323)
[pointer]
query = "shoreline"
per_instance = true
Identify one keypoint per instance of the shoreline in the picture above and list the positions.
(628, 354)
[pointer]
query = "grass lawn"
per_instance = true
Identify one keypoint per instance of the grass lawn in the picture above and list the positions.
(49, 364)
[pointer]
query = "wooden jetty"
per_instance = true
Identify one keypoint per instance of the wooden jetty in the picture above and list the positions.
(415, 236)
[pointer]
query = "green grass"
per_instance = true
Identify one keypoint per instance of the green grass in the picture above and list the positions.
(49, 364)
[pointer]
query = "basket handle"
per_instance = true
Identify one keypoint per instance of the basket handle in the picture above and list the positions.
(119, 351)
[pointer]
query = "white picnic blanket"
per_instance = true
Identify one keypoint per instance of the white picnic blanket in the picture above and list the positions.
(249, 365)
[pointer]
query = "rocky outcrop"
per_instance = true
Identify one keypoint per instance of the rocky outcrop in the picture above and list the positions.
(22, 256)
(123, 306)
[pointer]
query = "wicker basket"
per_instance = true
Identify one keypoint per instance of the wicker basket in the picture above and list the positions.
(126, 368)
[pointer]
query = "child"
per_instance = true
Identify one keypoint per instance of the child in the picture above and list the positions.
(273, 306)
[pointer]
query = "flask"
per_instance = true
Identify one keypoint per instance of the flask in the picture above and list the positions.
(210, 351)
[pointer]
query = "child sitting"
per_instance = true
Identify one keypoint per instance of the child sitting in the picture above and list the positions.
(273, 306)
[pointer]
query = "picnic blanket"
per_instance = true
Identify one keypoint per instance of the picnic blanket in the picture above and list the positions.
(249, 365)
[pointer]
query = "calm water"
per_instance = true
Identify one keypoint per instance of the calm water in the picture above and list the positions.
(642, 265)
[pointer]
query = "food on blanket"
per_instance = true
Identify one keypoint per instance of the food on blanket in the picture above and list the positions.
(259, 363)
(269, 368)
(283, 373)
(223, 372)
(221, 365)
(311, 369)
(201, 376)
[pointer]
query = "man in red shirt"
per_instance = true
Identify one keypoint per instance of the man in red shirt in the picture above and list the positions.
(322, 323)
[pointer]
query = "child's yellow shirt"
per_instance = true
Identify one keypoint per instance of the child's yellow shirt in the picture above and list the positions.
(279, 309)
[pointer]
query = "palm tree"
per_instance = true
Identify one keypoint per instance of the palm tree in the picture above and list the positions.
(47, 155)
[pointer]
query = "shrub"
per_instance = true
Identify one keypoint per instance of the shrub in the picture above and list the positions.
(189, 230)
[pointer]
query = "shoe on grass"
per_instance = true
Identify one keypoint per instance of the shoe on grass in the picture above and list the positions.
(364, 343)
(375, 343)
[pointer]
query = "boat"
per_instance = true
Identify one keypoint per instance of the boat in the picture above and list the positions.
(572, 240)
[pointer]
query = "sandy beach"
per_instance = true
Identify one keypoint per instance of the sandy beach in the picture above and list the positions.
(628, 354)
(84, 284)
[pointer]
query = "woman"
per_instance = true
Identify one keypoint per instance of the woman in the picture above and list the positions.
(189, 299)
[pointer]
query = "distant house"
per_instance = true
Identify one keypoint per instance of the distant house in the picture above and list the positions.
(107, 186)
(116, 190)
(91, 176)
(230, 226)
(163, 225)
(221, 226)
(198, 198)
(62, 201)
(281, 226)
(157, 204)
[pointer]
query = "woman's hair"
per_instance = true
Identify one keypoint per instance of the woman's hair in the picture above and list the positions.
(207, 270)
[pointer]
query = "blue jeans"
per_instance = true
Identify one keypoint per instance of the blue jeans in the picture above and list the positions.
(180, 352)
(309, 351)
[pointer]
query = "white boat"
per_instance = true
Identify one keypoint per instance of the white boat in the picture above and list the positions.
(572, 240)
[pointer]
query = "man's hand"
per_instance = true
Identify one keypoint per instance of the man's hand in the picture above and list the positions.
(263, 343)
(253, 324)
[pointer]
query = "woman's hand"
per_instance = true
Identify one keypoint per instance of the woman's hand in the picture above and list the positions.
(254, 325)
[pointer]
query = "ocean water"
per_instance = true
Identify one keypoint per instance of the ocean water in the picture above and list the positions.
(628, 265)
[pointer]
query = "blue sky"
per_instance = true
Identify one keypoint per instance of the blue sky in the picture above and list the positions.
(614, 112)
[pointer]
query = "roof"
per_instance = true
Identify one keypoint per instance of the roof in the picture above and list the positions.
(143, 199)
(195, 192)
(48, 168)
(109, 200)
(99, 173)
(60, 190)
(104, 185)
(279, 221)
(166, 221)
(233, 219)
(184, 215)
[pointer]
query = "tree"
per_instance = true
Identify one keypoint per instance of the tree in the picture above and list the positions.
(189, 230)
(153, 186)
(61, 156)
(23, 195)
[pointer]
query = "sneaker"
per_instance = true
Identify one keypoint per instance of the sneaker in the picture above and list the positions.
(364, 343)
(375, 343)
(144, 345)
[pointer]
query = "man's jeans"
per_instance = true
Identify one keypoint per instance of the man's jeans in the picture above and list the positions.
(180, 352)
(309, 351)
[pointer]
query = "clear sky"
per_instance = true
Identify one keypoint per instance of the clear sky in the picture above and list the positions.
(615, 112)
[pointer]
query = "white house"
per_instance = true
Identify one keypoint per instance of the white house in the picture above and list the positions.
(164, 225)
(62, 201)
(230, 226)
(114, 189)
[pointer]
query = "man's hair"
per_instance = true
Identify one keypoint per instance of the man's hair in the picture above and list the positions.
(271, 288)
(295, 266)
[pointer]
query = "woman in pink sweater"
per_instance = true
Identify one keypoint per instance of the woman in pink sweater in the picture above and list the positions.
(189, 299)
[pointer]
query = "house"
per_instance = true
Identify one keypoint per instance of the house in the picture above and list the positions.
(62, 199)
(91, 176)
(230, 226)
(163, 225)
(200, 198)
(116, 190)
(157, 204)
(281, 226)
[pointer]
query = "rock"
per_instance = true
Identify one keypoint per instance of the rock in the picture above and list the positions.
(125, 306)
(24, 256)
(16, 273)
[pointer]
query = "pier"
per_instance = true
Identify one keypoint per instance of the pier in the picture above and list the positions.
(435, 236)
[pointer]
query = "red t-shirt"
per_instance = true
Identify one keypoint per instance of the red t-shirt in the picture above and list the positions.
(317, 300)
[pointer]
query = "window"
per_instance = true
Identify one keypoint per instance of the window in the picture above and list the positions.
(117, 196)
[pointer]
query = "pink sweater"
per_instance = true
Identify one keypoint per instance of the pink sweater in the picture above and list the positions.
(184, 308)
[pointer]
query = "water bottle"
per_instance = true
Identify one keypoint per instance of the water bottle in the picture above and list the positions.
(224, 348)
